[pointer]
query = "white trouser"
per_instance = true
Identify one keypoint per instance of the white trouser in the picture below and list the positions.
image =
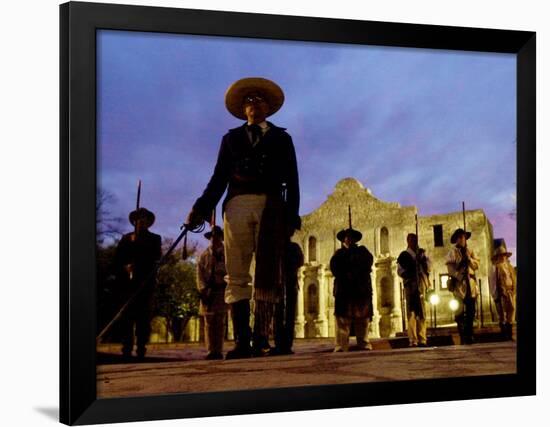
(241, 223)
(343, 325)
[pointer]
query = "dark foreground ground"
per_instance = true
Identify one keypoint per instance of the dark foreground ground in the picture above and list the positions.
(179, 368)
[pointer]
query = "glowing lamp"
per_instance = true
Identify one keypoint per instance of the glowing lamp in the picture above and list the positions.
(453, 304)
(434, 299)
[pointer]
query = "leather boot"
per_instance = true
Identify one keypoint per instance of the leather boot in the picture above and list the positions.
(509, 332)
(460, 327)
(240, 314)
(503, 331)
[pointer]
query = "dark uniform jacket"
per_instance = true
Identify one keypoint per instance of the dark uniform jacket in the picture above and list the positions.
(143, 253)
(243, 168)
(351, 268)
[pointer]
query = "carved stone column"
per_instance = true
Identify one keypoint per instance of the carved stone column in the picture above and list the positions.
(299, 326)
(374, 327)
(321, 323)
(331, 319)
(230, 333)
(396, 313)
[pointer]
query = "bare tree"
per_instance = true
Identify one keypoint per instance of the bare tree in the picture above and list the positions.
(108, 226)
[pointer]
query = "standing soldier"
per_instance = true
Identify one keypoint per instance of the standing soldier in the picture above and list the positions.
(211, 286)
(256, 162)
(503, 290)
(461, 265)
(136, 258)
(414, 267)
(351, 267)
(285, 310)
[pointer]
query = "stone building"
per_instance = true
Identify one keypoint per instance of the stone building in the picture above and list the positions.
(384, 226)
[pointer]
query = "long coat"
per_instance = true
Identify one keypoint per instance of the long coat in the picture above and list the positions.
(242, 168)
(415, 290)
(351, 268)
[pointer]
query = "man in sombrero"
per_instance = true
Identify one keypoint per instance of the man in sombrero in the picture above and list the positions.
(503, 289)
(136, 257)
(351, 267)
(257, 166)
(461, 266)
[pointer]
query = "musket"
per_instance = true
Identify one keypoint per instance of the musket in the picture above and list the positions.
(138, 195)
(349, 215)
(464, 215)
(417, 263)
(467, 268)
(138, 198)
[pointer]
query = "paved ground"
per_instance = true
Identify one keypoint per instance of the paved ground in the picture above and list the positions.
(179, 368)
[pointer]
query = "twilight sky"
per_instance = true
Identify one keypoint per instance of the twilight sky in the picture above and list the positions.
(421, 127)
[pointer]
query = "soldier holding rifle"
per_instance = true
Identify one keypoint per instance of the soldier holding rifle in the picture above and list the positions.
(136, 256)
(461, 266)
(503, 290)
(414, 266)
(351, 266)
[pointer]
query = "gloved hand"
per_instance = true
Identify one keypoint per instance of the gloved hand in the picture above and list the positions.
(194, 219)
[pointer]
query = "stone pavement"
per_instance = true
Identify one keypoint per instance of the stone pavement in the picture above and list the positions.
(180, 369)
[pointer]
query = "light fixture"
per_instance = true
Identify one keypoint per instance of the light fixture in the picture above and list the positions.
(434, 299)
(453, 304)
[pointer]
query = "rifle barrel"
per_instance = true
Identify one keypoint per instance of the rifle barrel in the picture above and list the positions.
(464, 215)
(138, 195)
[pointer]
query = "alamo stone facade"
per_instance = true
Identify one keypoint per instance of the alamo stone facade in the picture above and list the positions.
(384, 226)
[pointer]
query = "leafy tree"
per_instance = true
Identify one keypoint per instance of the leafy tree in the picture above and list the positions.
(176, 295)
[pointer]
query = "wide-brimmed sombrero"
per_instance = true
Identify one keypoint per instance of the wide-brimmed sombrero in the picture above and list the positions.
(501, 250)
(235, 94)
(458, 232)
(355, 235)
(215, 230)
(142, 212)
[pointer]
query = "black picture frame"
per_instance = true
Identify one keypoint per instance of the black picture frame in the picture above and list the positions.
(78, 25)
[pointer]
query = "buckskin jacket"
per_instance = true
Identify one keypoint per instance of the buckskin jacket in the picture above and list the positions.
(210, 281)
(243, 168)
(502, 281)
(457, 271)
(351, 268)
